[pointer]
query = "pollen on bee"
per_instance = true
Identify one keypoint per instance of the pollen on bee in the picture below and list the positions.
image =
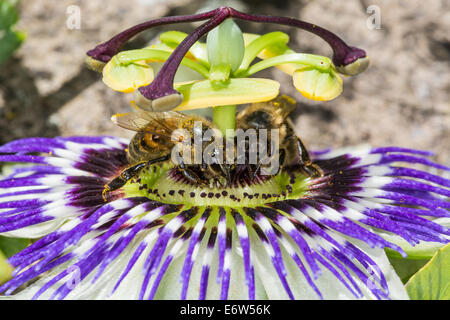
(105, 193)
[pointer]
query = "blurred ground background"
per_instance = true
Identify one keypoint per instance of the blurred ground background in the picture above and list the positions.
(403, 99)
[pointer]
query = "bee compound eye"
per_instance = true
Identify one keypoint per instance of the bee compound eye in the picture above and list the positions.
(156, 138)
(148, 141)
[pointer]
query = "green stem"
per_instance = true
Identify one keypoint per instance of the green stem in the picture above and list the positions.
(224, 117)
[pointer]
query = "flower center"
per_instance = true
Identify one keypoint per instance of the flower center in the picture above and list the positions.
(163, 183)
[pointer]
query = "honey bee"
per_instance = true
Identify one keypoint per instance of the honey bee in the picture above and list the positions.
(274, 115)
(154, 141)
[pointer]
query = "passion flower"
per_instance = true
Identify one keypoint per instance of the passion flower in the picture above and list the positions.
(290, 236)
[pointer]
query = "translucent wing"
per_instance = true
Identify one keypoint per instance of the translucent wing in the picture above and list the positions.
(152, 116)
(131, 121)
(139, 120)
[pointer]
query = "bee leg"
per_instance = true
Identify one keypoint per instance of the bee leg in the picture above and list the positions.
(258, 167)
(226, 171)
(281, 158)
(230, 169)
(187, 173)
(255, 172)
(181, 163)
(313, 170)
(127, 175)
(191, 176)
(122, 179)
(309, 167)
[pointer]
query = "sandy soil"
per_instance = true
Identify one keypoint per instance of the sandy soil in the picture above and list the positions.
(402, 99)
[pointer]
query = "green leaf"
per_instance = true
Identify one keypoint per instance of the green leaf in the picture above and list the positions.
(432, 282)
(10, 246)
(10, 39)
(424, 250)
(8, 15)
(406, 268)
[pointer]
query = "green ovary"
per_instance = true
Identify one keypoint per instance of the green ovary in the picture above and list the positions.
(158, 184)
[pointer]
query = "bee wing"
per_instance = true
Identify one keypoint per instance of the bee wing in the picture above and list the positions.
(152, 116)
(140, 120)
(131, 121)
(159, 117)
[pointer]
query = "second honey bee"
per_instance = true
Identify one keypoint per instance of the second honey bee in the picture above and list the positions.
(274, 114)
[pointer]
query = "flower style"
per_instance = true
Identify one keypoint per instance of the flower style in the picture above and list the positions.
(287, 237)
